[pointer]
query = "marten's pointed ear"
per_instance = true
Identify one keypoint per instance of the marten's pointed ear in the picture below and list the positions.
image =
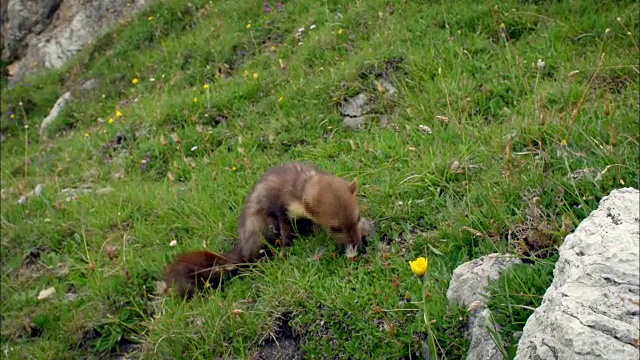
(353, 186)
(308, 207)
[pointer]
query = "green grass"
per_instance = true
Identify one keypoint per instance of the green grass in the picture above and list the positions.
(468, 71)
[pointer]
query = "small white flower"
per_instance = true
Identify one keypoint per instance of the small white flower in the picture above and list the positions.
(301, 29)
(152, 79)
(312, 27)
(425, 129)
(540, 64)
(194, 148)
(574, 72)
(173, 243)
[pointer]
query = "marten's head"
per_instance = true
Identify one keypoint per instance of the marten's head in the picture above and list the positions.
(333, 204)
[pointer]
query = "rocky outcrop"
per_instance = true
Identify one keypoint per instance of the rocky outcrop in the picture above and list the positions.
(468, 288)
(43, 34)
(60, 104)
(592, 309)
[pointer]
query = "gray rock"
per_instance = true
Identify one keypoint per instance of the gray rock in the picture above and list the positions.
(55, 111)
(61, 102)
(43, 34)
(483, 346)
(387, 88)
(35, 193)
(20, 18)
(591, 310)
(355, 106)
(469, 280)
(354, 122)
(468, 288)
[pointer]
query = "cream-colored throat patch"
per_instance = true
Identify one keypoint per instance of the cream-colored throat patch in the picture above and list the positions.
(296, 210)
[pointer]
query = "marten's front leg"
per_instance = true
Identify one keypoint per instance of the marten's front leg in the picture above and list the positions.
(286, 230)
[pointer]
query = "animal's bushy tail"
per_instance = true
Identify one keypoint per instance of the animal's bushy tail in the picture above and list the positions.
(199, 269)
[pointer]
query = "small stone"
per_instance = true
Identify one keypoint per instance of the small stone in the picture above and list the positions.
(47, 293)
(355, 106)
(353, 122)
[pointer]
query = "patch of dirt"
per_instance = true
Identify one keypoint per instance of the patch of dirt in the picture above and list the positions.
(32, 259)
(121, 351)
(373, 96)
(541, 232)
(112, 146)
(406, 239)
(284, 344)
(614, 81)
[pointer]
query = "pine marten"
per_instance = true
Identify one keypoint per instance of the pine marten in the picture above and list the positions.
(288, 200)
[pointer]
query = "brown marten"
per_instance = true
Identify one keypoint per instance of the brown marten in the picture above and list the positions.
(288, 200)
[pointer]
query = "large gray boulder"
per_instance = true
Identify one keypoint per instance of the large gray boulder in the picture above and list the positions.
(468, 288)
(43, 34)
(592, 309)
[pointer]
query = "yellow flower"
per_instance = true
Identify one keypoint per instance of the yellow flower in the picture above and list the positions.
(255, 75)
(205, 86)
(195, 100)
(281, 99)
(249, 26)
(419, 266)
(110, 121)
(13, 116)
(234, 168)
(246, 73)
(150, 18)
(340, 32)
(563, 142)
(118, 113)
(135, 81)
(86, 134)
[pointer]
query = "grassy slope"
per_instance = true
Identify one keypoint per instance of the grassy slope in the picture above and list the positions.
(509, 127)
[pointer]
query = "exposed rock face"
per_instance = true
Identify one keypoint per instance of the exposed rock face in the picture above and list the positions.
(592, 309)
(468, 288)
(41, 34)
(60, 104)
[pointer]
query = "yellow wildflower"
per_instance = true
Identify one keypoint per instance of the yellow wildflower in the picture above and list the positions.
(13, 116)
(195, 100)
(563, 142)
(234, 168)
(255, 75)
(150, 18)
(110, 121)
(340, 32)
(118, 113)
(419, 266)
(86, 134)
(249, 26)
(205, 86)
(281, 99)
(135, 81)
(246, 73)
